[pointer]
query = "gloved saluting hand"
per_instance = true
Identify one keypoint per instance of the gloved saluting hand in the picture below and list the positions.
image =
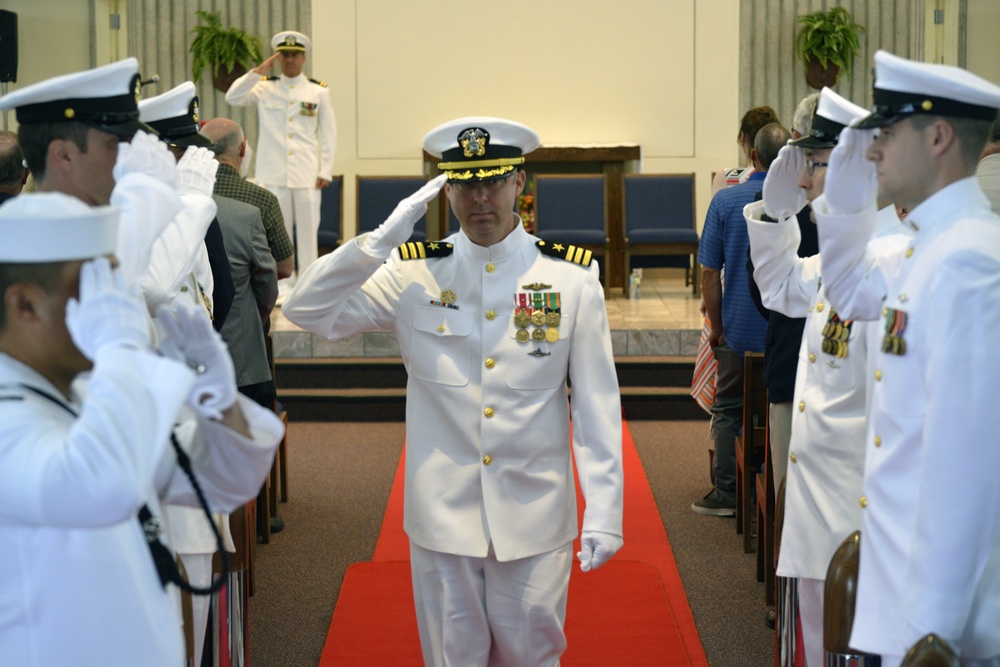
(108, 312)
(596, 549)
(146, 154)
(398, 227)
(191, 339)
(196, 171)
(782, 195)
(851, 182)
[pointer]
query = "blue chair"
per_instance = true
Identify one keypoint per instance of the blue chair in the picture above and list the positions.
(660, 224)
(378, 197)
(569, 209)
(331, 209)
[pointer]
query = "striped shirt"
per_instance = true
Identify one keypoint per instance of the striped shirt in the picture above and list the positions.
(229, 183)
(724, 243)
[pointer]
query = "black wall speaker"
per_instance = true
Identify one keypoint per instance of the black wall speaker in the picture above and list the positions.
(8, 46)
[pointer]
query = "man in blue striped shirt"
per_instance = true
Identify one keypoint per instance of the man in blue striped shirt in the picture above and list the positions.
(736, 324)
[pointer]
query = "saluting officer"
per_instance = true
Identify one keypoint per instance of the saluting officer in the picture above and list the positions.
(298, 138)
(491, 321)
(827, 449)
(930, 519)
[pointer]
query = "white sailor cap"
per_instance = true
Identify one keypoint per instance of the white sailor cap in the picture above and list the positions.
(480, 148)
(174, 114)
(832, 114)
(54, 227)
(289, 40)
(104, 97)
(903, 87)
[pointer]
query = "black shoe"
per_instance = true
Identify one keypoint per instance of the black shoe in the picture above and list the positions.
(769, 619)
(277, 524)
(714, 505)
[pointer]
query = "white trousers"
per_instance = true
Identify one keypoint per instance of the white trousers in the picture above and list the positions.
(478, 612)
(779, 426)
(199, 573)
(300, 209)
(811, 614)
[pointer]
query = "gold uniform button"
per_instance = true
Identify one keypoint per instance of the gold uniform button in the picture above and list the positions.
(291, 152)
(487, 460)
(812, 358)
(903, 298)
(802, 406)
(490, 363)
(184, 288)
(488, 412)
(863, 502)
(441, 328)
(909, 253)
(490, 268)
(291, 136)
(878, 374)
(878, 441)
(491, 315)
(791, 457)
(819, 307)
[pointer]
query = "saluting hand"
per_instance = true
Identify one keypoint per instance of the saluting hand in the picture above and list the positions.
(398, 227)
(108, 313)
(265, 66)
(782, 195)
(851, 181)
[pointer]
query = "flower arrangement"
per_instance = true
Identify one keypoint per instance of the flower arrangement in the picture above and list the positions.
(526, 207)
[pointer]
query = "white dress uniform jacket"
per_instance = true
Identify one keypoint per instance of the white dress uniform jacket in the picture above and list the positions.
(298, 131)
(487, 418)
(79, 584)
(930, 526)
(827, 449)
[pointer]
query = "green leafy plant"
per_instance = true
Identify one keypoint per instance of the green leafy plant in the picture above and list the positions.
(216, 47)
(832, 37)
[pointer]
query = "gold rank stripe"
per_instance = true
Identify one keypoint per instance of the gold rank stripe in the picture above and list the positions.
(569, 252)
(425, 250)
(412, 250)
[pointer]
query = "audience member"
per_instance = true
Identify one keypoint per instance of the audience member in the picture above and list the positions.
(13, 173)
(736, 324)
(750, 124)
(230, 149)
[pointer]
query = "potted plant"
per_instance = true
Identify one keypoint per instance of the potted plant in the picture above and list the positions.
(228, 52)
(826, 44)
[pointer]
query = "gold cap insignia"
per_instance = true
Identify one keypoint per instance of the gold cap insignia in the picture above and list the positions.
(474, 141)
(194, 110)
(927, 105)
(69, 113)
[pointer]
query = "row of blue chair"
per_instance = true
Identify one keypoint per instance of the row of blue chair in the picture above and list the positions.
(659, 215)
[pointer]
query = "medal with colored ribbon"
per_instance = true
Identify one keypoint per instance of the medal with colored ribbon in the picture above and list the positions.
(836, 333)
(895, 326)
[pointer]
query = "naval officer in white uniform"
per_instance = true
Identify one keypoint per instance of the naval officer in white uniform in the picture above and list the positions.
(930, 503)
(491, 323)
(298, 138)
(826, 453)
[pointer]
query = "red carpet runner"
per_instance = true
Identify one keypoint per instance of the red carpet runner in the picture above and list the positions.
(632, 611)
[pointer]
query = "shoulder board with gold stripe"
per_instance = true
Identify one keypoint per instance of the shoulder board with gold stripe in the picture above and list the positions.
(319, 83)
(569, 252)
(270, 78)
(425, 249)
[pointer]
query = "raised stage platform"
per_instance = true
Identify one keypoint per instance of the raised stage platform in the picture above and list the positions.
(664, 321)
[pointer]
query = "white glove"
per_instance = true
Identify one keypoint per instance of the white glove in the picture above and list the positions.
(108, 313)
(782, 195)
(851, 182)
(190, 339)
(596, 549)
(398, 227)
(146, 155)
(196, 171)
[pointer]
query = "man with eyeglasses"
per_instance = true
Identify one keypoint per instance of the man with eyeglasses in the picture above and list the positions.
(826, 449)
(930, 517)
(491, 322)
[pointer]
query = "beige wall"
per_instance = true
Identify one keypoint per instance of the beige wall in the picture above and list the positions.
(663, 75)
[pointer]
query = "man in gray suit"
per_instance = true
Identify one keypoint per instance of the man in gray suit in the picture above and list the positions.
(255, 278)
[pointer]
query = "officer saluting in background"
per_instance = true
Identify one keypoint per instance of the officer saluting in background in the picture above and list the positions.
(491, 322)
(930, 519)
(298, 138)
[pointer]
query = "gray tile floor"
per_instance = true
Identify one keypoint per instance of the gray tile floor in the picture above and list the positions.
(664, 320)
